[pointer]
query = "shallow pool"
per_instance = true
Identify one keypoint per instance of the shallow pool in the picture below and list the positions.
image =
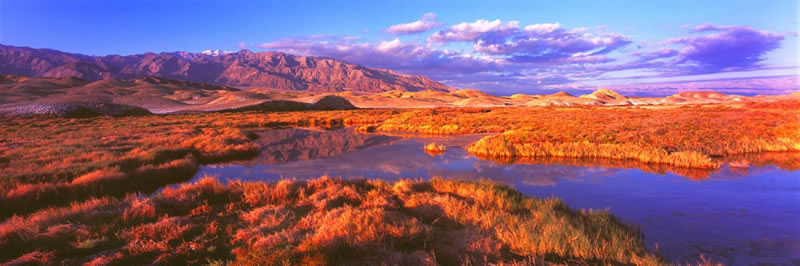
(731, 215)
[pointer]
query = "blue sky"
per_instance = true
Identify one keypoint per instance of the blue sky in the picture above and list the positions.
(610, 41)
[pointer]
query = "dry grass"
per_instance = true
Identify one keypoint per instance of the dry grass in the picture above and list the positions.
(323, 221)
(366, 128)
(435, 148)
(69, 181)
(515, 143)
(689, 136)
(51, 162)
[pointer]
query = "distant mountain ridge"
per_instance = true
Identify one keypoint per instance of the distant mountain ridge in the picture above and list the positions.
(599, 97)
(163, 95)
(271, 70)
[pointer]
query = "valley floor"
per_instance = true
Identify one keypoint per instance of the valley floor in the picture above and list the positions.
(77, 181)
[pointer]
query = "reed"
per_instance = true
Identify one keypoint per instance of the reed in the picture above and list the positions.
(48, 162)
(323, 221)
(435, 148)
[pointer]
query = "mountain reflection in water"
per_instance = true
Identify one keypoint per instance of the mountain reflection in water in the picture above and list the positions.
(310, 153)
(292, 144)
(746, 214)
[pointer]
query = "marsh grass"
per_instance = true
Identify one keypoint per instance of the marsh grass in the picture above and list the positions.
(513, 144)
(66, 185)
(435, 148)
(54, 161)
(689, 136)
(323, 221)
(366, 128)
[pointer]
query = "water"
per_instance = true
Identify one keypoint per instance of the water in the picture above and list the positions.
(732, 215)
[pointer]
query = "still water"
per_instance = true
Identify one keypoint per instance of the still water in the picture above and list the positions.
(732, 215)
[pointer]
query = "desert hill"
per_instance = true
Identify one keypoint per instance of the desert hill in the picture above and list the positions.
(270, 70)
(159, 95)
(600, 97)
(162, 95)
(607, 97)
(561, 93)
(328, 102)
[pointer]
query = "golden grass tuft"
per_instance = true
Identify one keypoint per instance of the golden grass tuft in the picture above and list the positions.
(101, 175)
(435, 148)
(508, 145)
(366, 128)
(691, 137)
(323, 221)
(222, 144)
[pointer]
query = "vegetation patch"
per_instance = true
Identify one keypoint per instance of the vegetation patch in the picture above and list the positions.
(323, 221)
(435, 148)
(366, 128)
(687, 136)
(54, 161)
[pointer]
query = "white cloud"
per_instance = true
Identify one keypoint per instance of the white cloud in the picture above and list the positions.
(408, 57)
(427, 22)
(470, 31)
(543, 29)
(541, 56)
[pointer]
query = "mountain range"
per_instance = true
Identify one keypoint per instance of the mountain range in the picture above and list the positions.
(244, 69)
(162, 95)
(43, 81)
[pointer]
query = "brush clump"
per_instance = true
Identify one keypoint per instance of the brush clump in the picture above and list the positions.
(323, 221)
(435, 148)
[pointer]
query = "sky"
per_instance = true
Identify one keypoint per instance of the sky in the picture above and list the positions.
(502, 47)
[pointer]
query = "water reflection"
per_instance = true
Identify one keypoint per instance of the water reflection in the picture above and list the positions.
(293, 144)
(308, 153)
(789, 161)
(391, 159)
(691, 173)
(736, 215)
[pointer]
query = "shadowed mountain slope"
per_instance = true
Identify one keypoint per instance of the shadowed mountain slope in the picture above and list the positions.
(159, 95)
(269, 70)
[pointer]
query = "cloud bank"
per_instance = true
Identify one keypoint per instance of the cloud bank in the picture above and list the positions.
(427, 22)
(499, 56)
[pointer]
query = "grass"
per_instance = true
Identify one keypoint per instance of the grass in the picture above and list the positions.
(688, 136)
(68, 187)
(52, 162)
(515, 143)
(366, 128)
(323, 221)
(435, 148)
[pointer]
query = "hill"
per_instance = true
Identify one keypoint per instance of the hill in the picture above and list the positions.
(162, 95)
(159, 95)
(607, 97)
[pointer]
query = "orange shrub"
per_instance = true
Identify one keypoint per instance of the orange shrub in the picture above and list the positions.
(48, 162)
(435, 149)
(99, 176)
(690, 136)
(323, 221)
(507, 145)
